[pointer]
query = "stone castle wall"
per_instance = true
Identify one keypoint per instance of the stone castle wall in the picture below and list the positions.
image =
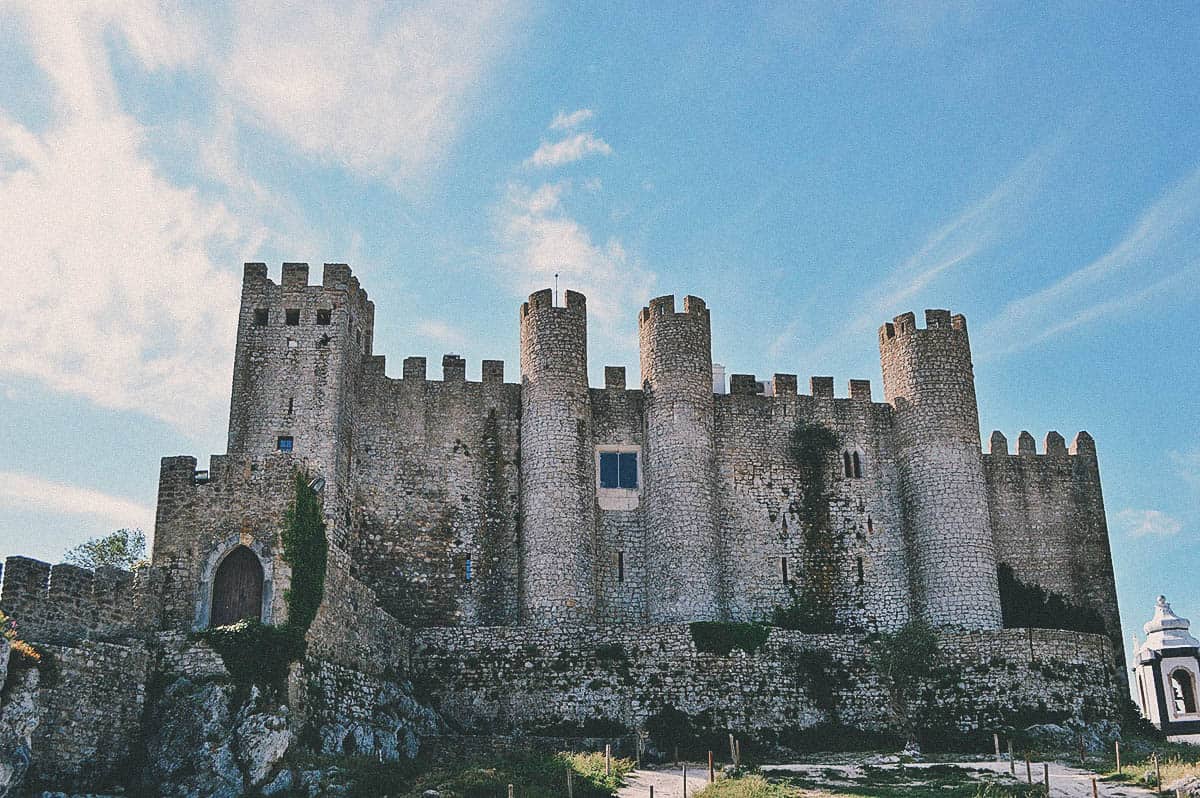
(1048, 519)
(506, 680)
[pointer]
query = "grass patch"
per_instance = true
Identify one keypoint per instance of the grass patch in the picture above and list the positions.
(532, 775)
(937, 781)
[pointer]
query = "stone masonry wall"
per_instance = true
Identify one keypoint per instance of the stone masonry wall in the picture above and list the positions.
(502, 680)
(64, 602)
(762, 518)
(91, 713)
(436, 482)
(1048, 520)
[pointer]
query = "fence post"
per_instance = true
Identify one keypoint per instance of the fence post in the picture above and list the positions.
(651, 791)
(732, 750)
(711, 774)
(685, 780)
(570, 783)
(1117, 743)
(996, 745)
(1157, 775)
(1095, 789)
(607, 759)
(738, 744)
(1012, 763)
(510, 791)
(1046, 776)
(1028, 770)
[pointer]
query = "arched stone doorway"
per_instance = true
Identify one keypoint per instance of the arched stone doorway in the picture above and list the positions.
(237, 588)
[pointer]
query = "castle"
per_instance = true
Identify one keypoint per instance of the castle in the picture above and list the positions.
(496, 541)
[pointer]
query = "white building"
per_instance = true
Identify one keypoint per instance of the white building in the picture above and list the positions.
(1167, 670)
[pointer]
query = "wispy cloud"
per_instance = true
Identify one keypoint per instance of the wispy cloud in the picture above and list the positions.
(1160, 253)
(954, 244)
(1187, 465)
(1147, 523)
(539, 238)
(569, 150)
(378, 88)
(442, 333)
(26, 492)
(570, 121)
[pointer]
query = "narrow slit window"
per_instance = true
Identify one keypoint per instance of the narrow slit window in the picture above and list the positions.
(620, 566)
(324, 317)
(859, 564)
(783, 569)
(846, 467)
(261, 317)
(284, 443)
(857, 465)
(291, 405)
(291, 317)
(870, 526)
(468, 573)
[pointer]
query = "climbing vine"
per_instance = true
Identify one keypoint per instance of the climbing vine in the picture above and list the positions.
(258, 653)
(810, 449)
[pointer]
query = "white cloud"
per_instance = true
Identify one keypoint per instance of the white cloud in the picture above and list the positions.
(25, 492)
(442, 333)
(539, 239)
(568, 150)
(376, 87)
(1188, 465)
(1148, 523)
(564, 121)
(1159, 254)
(115, 294)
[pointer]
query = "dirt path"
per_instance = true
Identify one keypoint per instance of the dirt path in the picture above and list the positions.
(1065, 782)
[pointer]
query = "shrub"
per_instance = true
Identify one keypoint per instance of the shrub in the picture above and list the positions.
(721, 637)
(254, 652)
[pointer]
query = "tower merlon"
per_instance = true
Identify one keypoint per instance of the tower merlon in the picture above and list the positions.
(821, 387)
(935, 319)
(860, 390)
(1026, 445)
(746, 384)
(1083, 444)
(1054, 444)
(784, 384)
(665, 306)
(614, 378)
(492, 371)
(414, 368)
(454, 368)
(295, 275)
(997, 443)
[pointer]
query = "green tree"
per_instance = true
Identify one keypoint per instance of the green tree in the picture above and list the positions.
(904, 661)
(125, 548)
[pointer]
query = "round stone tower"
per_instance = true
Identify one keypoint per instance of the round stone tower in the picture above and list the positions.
(557, 469)
(682, 560)
(929, 380)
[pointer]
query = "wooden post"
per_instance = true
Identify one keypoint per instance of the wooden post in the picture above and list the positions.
(1046, 777)
(1082, 759)
(732, 750)
(1012, 763)
(676, 756)
(712, 776)
(1028, 770)
(1095, 789)
(996, 744)
(511, 794)
(607, 759)
(685, 780)
(739, 753)
(1117, 744)
(1157, 776)
(570, 783)
(651, 791)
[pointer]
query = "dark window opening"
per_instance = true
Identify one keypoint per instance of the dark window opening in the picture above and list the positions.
(284, 443)
(857, 465)
(860, 570)
(468, 573)
(358, 336)
(618, 470)
(783, 568)
(291, 405)
(261, 317)
(870, 526)
(324, 317)
(846, 467)
(620, 566)
(291, 317)
(1184, 690)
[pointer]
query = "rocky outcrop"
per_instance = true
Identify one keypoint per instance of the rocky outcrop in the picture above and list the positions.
(19, 717)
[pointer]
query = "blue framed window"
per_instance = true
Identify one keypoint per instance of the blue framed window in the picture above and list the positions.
(468, 572)
(618, 470)
(284, 444)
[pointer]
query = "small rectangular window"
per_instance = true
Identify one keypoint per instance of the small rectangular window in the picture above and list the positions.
(284, 444)
(467, 572)
(324, 317)
(260, 317)
(860, 570)
(783, 566)
(620, 566)
(618, 470)
(291, 317)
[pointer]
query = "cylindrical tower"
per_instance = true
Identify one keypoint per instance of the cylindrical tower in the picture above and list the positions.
(929, 380)
(558, 492)
(683, 565)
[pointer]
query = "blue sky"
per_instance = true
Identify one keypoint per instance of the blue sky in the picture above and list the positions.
(810, 169)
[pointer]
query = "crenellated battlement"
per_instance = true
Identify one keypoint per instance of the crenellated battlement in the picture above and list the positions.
(787, 385)
(55, 603)
(543, 300)
(665, 306)
(1053, 445)
(935, 320)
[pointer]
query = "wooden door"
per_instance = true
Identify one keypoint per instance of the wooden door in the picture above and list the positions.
(237, 588)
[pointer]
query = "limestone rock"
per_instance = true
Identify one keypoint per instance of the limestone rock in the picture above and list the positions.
(189, 745)
(19, 716)
(263, 737)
